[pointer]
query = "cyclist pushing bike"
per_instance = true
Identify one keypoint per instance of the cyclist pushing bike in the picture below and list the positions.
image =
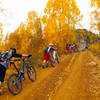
(48, 50)
(5, 58)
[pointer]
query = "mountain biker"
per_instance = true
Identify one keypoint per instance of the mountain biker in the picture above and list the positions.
(48, 50)
(4, 63)
(75, 47)
(72, 48)
(67, 47)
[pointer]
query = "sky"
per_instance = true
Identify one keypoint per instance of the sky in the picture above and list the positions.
(16, 12)
(85, 9)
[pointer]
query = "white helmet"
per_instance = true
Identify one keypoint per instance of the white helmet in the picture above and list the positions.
(51, 44)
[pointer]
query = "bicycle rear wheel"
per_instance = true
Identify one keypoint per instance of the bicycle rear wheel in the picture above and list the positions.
(14, 84)
(31, 72)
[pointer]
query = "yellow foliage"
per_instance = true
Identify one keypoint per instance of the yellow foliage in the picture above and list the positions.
(56, 26)
(95, 15)
(95, 48)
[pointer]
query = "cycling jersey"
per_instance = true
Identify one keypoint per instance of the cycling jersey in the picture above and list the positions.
(49, 49)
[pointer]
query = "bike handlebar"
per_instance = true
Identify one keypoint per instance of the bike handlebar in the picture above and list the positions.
(29, 55)
(12, 61)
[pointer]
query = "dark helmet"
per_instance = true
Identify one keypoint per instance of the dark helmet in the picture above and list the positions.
(13, 48)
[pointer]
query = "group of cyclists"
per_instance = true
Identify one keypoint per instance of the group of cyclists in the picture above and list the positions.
(5, 58)
(71, 48)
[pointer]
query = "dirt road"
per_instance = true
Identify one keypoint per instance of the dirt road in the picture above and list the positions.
(73, 79)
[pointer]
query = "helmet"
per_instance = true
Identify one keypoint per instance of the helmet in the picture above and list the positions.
(13, 48)
(51, 44)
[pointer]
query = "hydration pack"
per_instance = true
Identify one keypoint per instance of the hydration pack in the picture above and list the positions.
(3, 56)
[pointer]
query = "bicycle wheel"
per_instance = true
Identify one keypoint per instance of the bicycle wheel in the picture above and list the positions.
(31, 72)
(14, 84)
(58, 59)
(53, 63)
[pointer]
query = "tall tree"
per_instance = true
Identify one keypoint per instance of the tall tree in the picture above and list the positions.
(95, 15)
(60, 19)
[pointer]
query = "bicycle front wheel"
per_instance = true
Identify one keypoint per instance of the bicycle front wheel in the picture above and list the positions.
(14, 84)
(53, 63)
(58, 59)
(31, 72)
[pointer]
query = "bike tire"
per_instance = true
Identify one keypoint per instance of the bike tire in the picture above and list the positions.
(31, 70)
(53, 63)
(18, 80)
(58, 60)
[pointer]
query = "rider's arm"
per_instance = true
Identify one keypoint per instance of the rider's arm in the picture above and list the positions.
(24, 55)
(20, 55)
(17, 55)
(52, 49)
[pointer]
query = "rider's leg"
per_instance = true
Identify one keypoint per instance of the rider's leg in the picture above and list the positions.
(48, 59)
(0, 85)
(47, 64)
(1, 88)
(44, 61)
(43, 64)
(2, 76)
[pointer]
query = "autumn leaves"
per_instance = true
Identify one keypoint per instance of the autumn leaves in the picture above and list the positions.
(57, 25)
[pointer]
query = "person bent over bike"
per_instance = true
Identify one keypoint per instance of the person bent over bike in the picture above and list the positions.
(48, 50)
(5, 58)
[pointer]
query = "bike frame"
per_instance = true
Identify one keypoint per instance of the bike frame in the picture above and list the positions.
(22, 65)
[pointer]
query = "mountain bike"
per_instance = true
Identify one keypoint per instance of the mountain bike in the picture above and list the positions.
(14, 81)
(55, 58)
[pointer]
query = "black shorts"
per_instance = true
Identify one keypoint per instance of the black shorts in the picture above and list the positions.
(2, 73)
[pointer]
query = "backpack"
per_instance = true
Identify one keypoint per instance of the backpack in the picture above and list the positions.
(46, 49)
(3, 56)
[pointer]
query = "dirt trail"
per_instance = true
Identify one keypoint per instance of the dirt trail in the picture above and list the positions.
(76, 86)
(69, 80)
